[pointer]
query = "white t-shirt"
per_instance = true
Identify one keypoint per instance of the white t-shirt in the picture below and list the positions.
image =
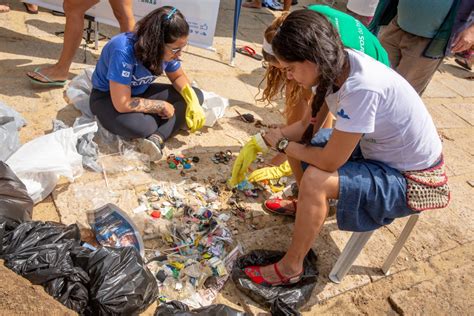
(376, 101)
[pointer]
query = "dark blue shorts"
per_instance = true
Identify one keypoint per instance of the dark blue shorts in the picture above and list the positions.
(371, 194)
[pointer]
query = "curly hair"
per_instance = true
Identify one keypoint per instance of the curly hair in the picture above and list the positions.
(162, 26)
(275, 77)
(320, 44)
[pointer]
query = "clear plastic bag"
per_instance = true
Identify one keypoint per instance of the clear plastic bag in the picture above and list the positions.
(40, 162)
(79, 91)
(10, 122)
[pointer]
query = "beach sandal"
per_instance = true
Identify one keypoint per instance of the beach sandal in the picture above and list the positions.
(250, 52)
(274, 206)
(28, 10)
(48, 82)
(254, 274)
(272, 5)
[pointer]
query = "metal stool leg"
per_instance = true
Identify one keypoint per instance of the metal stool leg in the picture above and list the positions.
(400, 242)
(350, 253)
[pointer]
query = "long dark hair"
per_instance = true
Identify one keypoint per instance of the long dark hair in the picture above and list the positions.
(162, 26)
(308, 35)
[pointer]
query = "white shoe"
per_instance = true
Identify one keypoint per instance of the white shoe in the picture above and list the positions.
(150, 148)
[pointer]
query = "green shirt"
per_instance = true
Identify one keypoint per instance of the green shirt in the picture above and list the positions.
(353, 33)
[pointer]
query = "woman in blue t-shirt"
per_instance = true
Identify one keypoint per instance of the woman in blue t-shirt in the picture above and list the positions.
(124, 97)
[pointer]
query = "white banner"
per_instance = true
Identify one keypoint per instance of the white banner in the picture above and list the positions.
(201, 15)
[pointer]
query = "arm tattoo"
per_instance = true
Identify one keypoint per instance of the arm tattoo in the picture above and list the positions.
(147, 106)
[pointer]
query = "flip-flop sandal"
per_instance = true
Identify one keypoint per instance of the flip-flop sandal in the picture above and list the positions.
(48, 82)
(28, 10)
(250, 52)
(274, 206)
(272, 5)
(254, 274)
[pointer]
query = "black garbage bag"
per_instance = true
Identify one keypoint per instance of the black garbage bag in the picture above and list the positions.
(15, 203)
(41, 252)
(282, 300)
(176, 308)
(120, 283)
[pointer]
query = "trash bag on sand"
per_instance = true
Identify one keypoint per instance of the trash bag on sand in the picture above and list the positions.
(10, 122)
(101, 282)
(176, 308)
(120, 283)
(15, 203)
(282, 300)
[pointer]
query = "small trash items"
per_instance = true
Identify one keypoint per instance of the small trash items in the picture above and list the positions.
(222, 157)
(15, 203)
(113, 228)
(283, 300)
(120, 284)
(181, 162)
(177, 308)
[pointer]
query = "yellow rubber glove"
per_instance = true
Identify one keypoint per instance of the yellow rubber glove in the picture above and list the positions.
(247, 155)
(195, 117)
(270, 173)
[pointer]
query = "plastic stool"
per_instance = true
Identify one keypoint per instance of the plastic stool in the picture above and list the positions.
(357, 242)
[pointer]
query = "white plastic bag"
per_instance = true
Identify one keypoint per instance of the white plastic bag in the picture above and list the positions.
(79, 91)
(40, 162)
(10, 122)
(214, 107)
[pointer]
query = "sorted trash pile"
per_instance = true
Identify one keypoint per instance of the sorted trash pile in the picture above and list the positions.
(194, 243)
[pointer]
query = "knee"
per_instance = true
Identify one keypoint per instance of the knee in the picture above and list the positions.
(137, 127)
(312, 181)
(200, 95)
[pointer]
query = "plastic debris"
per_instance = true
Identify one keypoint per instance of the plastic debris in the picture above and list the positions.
(222, 157)
(114, 228)
(180, 162)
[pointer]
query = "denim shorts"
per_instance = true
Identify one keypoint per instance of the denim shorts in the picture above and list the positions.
(371, 194)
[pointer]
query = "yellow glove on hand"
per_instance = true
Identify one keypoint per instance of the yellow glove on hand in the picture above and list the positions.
(247, 155)
(195, 117)
(270, 173)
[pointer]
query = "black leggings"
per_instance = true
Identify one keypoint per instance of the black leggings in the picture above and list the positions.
(141, 125)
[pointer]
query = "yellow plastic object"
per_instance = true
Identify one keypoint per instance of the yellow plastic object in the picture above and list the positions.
(271, 173)
(195, 117)
(247, 155)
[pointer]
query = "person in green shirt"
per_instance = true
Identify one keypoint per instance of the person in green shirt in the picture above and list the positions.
(353, 35)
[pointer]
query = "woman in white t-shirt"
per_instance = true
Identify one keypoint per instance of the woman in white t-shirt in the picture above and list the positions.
(383, 132)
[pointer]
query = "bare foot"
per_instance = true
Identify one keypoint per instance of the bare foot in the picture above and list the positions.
(252, 5)
(269, 273)
(4, 8)
(32, 7)
(52, 72)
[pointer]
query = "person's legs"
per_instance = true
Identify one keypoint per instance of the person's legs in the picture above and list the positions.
(127, 125)
(123, 12)
(415, 68)
(405, 52)
(4, 8)
(316, 188)
(390, 39)
(286, 5)
(255, 4)
(166, 92)
(74, 11)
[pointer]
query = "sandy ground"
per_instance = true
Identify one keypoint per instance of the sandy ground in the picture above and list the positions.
(433, 274)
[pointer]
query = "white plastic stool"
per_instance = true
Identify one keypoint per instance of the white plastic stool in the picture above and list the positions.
(357, 242)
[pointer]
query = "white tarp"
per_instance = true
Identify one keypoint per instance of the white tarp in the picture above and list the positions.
(201, 15)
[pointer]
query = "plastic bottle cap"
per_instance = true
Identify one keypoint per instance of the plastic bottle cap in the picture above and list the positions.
(156, 214)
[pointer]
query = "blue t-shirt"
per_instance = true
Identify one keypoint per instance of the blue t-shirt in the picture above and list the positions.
(117, 63)
(422, 17)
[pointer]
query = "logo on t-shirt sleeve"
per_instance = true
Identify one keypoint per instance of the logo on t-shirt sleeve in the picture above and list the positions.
(125, 74)
(342, 114)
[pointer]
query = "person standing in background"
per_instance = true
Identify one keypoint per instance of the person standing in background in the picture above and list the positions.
(363, 10)
(421, 33)
(57, 74)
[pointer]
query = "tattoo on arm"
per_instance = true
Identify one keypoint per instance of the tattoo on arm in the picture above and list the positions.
(147, 106)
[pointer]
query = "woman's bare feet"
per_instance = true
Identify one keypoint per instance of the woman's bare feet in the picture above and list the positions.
(256, 4)
(4, 8)
(287, 271)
